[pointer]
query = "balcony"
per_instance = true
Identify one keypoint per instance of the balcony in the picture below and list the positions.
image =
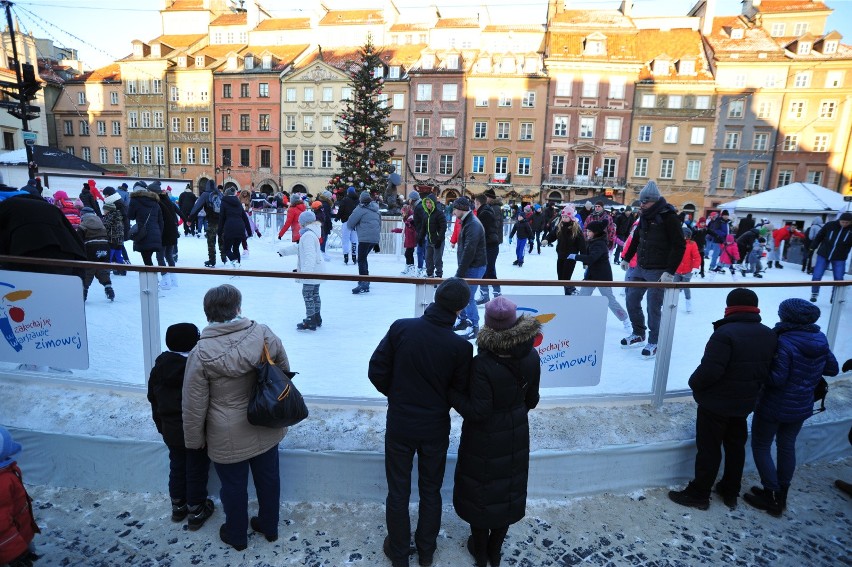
(590, 181)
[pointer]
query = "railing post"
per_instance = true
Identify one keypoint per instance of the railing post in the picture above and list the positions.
(839, 294)
(150, 302)
(423, 295)
(664, 346)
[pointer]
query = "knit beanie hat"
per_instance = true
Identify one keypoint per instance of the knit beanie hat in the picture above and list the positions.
(109, 191)
(182, 337)
(365, 197)
(741, 296)
(462, 204)
(327, 194)
(798, 311)
(588, 205)
(87, 211)
(8, 447)
(650, 192)
(686, 232)
(350, 190)
(501, 313)
(414, 195)
(307, 218)
(316, 204)
(567, 212)
(596, 227)
(845, 216)
(453, 294)
(140, 186)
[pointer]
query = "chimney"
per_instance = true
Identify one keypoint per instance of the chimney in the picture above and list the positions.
(554, 7)
(705, 11)
(627, 7)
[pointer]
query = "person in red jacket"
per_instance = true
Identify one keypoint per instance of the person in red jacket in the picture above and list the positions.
(17, 526)
(296, 208)
(689, 266)
(783, 234)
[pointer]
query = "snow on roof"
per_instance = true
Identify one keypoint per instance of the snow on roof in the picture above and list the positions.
(51, 158)
(793, 198)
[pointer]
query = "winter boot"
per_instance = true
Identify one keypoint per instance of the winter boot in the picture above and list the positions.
(198, 514)
(164, 283)
(110, 293)
(318, 319)
(778, 265)
(173, 280)
(763, 499)
(686, 498)
(813, 298)
(346, 259)
(307, 324)
(255, 525)
(210, 264)
(178, 510)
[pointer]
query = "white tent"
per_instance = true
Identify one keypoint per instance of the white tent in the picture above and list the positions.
(793, 202)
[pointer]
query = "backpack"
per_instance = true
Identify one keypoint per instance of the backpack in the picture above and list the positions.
(215, 202)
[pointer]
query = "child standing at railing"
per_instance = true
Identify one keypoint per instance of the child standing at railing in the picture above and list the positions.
(17, 526)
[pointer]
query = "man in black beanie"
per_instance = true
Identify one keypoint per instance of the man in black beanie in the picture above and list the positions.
(725, 385)
(415, 365)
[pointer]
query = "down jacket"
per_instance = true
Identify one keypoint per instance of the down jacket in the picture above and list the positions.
(164, 392)
(735, 365)
(145, 209)
(17, 526)
(490, 489)
(296, 208)
(233, 221)
(833, 242)
(366, 222)
(310, 259)
(220, 375)
(802, 358)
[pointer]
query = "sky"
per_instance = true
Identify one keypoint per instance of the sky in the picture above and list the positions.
(70, 22)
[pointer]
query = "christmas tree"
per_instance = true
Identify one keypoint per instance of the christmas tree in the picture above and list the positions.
(363, 124)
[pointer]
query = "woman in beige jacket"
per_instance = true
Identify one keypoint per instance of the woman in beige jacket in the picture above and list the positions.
(220, 374)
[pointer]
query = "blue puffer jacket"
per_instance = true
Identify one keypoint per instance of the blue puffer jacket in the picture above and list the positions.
(802, 358)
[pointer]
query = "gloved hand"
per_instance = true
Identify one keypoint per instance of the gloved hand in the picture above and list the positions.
(624, 265)
(572, 256)
(666, 277)
(544, 243)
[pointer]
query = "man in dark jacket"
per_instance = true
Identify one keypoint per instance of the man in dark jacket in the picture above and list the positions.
(489, 213)
(832, 245)
(472, 260)
(718, 230)
(89, 200)
(417, 383)
(659, 244)
(726, 384)
(432, 233)
(186, 201)
(211, 201)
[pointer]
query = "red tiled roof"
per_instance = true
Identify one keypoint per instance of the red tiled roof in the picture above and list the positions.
(179, 41)
(111, 72)
(218, 51)
(592, 19)
(404, 55)
(341, 57)
(619, 47)
(522, 28)
(352, 17)
(677, 45)
(231, 20)
(409, 27)
(781, 6)
(282, 24)
(754, 39)
(284, 53)
(445, 23)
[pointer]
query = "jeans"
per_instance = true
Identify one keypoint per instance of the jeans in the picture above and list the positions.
(837, 269)
(715, 251)
(614, 305)
(188, 471)
(763, 431)
(234, 494)
(431, 462)
(712, 433)
(491, 253)
(349, 240)
(434, 260)
(684, 278)
(423, 254)
(520, 248)
(655, 303)
(363, 268)
(471, 312)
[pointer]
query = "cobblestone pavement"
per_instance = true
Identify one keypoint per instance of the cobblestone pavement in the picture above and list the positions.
(85, 528)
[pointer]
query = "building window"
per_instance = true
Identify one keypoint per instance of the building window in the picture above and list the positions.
(563, 86)
(829, 47)
(422, 127)
(205, 155)
(797, 110)
(480, 130)
(693, 169)
(645, 133)
(590, 86)
(800, 29)
(327, 124)
(814, 177)
(133, 119)
(156, 86)
(778, 30)
(613, 129)
(448, 128)
(526, 132)
(307, 123)
(502, 130)
(393, 71)
(524, 165)
(560, 126)
(346, 93)
(770, 81)
(791, 143)
(146, 119)
(803, 48)
(764, 110)
(732, 140)
(290, 94)
(504, 100)
(68, 126)
(587, 126)
(289, 158)
(84, 127)
(190, 124)
(399, 101)
(116, 155)
(103, 154)
(761, 142)
(263, 90)
(833, 79)
(478, 164)
(740, 80)
(160, 155)
(735, 108)
(446, 164)
(383, 100)
(424, 92)
(134, 154)
(697, 136)
(481, 99)
(266, 159)
(702, 102)
(263, 122)
(785, 177)
(617, 87)
(675, 101)
(584, 166)
(325, 159)
(308, 94)
(245, 157)
(190, 155)
(755, 179)
(203, 124)
(640, 167)
(244, 90)
(177, 154)
(501, 165)
(81, 98)
(557, 165)
(670, 135)
(421, 163)
(802, 80)
(450, 92)
(226, 122)
(101, 129)
(113, 97)
(116, 128)
(175, 94)
(609, 167)
(821, 142)
(131, 87)
(726, 177)
(175, 124)
(290, 122)
(245, 122)
(666, 168)
(827, 108)
(528, 99)
(649, 101)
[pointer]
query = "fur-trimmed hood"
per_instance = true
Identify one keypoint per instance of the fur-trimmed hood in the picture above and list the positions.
(506, 341)
(146, 194)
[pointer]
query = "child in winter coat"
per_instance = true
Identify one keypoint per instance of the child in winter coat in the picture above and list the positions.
(729, 256)
(17, 526)
(758, 251)
(409, 239)
(689, 266)
(524, 231)
(114, 225)
(310, 261)
(94, 235)
(188, 468)
(598, 268)
(787, 400)
(70, 208)
(568, 235)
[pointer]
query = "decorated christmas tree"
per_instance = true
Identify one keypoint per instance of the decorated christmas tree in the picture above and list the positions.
(363, 124)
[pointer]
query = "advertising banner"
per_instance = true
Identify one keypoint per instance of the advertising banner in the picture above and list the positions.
(43, 320)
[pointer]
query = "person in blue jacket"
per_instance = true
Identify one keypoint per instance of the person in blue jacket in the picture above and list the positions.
(802, 358)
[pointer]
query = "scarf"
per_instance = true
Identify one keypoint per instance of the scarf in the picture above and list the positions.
(740, 309)
(655, 213)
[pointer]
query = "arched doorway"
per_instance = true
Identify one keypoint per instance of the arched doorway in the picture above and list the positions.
(299, 188)
(231, 184)
(554, 197)
(267, 186)
(450, 195)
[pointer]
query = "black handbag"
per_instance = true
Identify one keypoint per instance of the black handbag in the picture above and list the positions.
(275, 401)
(820, 392)
(139, 231)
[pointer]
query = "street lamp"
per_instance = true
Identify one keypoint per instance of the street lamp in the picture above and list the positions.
(224, 171)
(470, 179)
